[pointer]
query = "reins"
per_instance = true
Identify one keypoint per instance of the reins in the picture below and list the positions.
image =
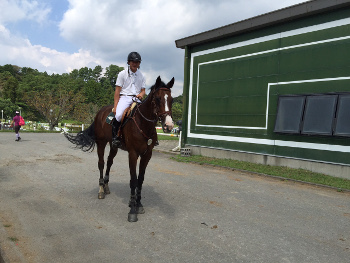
(138, 109)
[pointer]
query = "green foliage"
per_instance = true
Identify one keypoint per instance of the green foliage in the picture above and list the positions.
(112, 73)
(10, 90)
(8, 107)
(54, 104)
(178, 100)
(177, 111)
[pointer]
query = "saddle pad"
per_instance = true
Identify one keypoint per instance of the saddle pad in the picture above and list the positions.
(110, 118)
(128, 111)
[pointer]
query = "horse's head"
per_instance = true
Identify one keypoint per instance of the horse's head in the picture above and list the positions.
(162, 101)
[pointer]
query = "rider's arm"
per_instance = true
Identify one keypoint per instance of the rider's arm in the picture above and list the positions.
(141, 94)
(116, 97)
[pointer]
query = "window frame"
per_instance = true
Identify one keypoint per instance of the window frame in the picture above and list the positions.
(335, 120)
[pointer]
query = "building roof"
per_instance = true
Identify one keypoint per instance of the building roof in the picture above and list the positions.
(279, 16)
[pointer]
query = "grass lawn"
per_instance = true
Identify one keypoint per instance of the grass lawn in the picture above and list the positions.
(166, 137)
(276, 171)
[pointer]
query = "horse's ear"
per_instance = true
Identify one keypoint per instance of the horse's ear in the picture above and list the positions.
(171, 83)
(158, 82)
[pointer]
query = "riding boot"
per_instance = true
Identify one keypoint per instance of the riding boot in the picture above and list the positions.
(115, 129)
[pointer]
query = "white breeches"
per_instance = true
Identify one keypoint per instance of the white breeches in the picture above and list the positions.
(124, 102)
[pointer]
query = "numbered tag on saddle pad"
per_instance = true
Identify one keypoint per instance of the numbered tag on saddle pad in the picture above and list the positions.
(110, 118)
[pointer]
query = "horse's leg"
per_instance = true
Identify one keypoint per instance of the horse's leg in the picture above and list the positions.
(101, 163)
(132, 217)
(112, 153)
(142, 169)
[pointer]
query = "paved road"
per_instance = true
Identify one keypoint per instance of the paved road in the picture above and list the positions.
(49, 211)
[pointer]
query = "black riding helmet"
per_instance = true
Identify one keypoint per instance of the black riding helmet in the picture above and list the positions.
(134, 56)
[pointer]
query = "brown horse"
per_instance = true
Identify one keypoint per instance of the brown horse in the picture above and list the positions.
(138, 137)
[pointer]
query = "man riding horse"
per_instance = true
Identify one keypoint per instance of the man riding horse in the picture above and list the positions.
(130, 87)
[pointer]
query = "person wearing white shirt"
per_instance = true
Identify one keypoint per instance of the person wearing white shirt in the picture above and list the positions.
(130, 86)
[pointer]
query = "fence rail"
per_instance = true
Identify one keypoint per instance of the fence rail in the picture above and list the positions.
(36, 126)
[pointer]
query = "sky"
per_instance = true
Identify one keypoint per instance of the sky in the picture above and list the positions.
(58, 36)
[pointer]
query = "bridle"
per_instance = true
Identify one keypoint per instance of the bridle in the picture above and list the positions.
(159, 116)
(165, 113)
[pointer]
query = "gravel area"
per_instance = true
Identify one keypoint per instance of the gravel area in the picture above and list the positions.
(49, 211)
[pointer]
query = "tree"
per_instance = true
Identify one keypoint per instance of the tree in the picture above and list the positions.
(8, 107)
(93, 92)
(10, 90)
(96, 73)
(178, 99)
(54, 105)
(85, 73)
(112, 73)
(85, 112)
(177, 111)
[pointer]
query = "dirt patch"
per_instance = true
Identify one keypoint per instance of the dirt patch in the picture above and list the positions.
(14, 246)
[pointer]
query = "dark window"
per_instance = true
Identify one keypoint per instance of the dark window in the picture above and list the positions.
(342, 127)
(314, 114)
(319, 114)
(289, 114)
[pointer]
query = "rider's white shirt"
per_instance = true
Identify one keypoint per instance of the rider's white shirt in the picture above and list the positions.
(130, 82)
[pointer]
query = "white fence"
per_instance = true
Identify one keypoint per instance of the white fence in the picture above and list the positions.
(37, 126)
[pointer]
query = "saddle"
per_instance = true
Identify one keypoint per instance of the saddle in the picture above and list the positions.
(127, 114)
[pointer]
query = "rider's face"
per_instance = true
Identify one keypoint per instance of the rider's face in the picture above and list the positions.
(134, 65)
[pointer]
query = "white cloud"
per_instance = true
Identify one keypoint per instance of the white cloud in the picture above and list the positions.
(20, 52)
(16, 10)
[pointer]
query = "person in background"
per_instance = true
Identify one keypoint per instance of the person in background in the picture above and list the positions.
(15, 122)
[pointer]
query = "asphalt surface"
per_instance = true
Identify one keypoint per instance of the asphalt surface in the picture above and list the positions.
(49, 211)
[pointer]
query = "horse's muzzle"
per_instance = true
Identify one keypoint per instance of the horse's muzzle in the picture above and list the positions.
(166, 129)
(168, 124)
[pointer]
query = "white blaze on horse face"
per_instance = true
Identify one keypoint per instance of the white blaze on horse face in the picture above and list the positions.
(166, 102)
(168, 120)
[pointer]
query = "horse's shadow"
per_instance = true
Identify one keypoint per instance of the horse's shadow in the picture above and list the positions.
(150, 197)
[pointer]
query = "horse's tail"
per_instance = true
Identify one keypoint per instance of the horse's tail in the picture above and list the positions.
(84, 140)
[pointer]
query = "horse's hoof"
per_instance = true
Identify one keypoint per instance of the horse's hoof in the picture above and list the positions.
(132, 217)
(106, 188)
(140, 210)
(101, 195)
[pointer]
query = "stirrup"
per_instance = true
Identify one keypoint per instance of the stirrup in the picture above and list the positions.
(116, 142)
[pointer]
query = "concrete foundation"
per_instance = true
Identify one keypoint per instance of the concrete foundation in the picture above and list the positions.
(336, 170)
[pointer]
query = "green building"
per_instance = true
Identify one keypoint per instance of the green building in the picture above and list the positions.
(273, 89)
